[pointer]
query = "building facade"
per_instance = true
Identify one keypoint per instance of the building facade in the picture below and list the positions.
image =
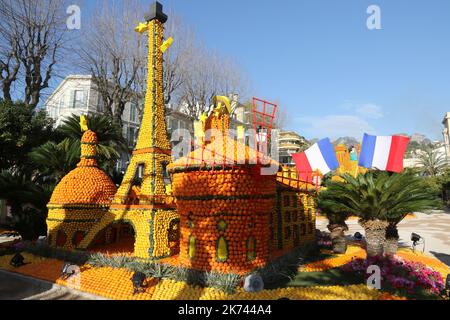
(78, 94)
(290, 142)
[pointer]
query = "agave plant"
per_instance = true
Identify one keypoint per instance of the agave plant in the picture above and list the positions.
(379, 199)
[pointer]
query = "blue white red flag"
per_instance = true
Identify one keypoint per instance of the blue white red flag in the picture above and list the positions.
(319, 157)
(383, 152)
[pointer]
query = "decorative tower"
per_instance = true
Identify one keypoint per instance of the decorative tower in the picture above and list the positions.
(143, 199)
(145, 180)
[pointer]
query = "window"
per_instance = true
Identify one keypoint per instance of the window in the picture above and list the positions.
(139, 175)
(100, 105)
(294, 201)
(78, 100)
(222, 250)
(78, 237)
(61, 238)
(140, 171)
(251, 249)
(166, 176)
(61, 104)
(287, 216)
(286, 201)
(191, 248)
(133, 108)
(303, 229)
(131, 136)
(287, 233)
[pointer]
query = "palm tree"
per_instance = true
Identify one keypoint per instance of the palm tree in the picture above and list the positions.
(431, 162)
(55, 160)
(378, 199)
(28, 200)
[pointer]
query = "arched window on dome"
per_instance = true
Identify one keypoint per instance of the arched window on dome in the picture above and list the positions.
(61, 238)
(78, 237)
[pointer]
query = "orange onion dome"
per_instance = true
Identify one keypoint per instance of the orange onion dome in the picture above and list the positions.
(86, 185)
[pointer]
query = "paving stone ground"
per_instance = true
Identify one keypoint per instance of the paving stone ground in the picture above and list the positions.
(18, 287)
(433, 227)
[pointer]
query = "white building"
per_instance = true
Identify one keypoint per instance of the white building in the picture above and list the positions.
(290, 142)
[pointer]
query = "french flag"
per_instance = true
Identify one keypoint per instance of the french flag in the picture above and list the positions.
(320, 156)
(383, 152)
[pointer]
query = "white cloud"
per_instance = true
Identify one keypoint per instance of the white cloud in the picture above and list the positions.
(334, 126)
(370, 111)
(365, 110)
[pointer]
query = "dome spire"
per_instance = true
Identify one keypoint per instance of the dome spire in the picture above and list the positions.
(88, 150)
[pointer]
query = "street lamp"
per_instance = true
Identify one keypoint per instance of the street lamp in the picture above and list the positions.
(415, 238)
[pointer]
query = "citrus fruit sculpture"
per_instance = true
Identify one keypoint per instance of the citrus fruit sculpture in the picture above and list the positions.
(213, 209)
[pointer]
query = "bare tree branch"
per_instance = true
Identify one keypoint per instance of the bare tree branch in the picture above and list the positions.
(33, 33)
(114, 54)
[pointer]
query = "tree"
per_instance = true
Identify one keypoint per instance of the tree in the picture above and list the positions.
(177, 58)
(115, 55)
(55, 160)
(337, 226)
(208, 74)
(32, 37)
(28, 201)
(21, 129)
(379, 199)
(432, 162)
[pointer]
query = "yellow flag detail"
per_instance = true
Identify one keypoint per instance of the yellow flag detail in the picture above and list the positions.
(166, 44)
(204, 117)
(83, 123)
(222, 100)
(141, 28)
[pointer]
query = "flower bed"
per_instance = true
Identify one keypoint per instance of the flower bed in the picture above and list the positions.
(401, 276)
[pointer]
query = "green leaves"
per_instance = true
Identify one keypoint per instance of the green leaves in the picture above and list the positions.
(432, 162)
(377, 195)
(54, 160)
(21, 129)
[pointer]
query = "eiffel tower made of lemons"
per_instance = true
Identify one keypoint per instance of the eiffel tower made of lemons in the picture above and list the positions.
(143, 199)
(145, 182)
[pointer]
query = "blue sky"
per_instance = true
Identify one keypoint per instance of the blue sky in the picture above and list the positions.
(332, 75)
